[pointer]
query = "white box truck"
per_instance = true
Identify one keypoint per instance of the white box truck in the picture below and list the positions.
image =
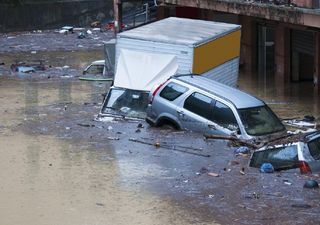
(148, 55)
(201, 47)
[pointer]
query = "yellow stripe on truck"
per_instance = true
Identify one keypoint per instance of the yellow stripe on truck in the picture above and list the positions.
(216, 52)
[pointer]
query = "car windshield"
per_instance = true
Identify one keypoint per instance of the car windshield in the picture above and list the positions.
(126, 102)
(260, 121)
(284, 157)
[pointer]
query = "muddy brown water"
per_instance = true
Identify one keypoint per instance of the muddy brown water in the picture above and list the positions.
(48, 180)
(54, 171)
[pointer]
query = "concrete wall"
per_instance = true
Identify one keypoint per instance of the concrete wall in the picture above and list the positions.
(29, 15)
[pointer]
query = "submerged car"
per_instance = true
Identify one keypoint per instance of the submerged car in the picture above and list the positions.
(196, 103)
(302, 153)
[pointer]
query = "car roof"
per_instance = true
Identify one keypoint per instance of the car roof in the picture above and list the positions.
(98, 62)
(239, 98)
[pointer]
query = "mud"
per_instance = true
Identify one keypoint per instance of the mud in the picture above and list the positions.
(61, 166)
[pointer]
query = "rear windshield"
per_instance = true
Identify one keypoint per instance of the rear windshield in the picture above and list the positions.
(126, 102)
(285, 157)
(172, 91)
(260, 121)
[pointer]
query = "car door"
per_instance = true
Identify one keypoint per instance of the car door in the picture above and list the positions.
(166, 102)
(195, 113)
(224, 118)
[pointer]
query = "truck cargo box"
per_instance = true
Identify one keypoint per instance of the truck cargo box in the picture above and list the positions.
(208, 48)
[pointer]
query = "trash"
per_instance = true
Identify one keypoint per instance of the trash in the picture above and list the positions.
(109, 128)
(169, 147)
(86, 125)
(99, 204)
(210, 196)
(157, 144)
(308, 118)
(255, 195)
(33, 52)
(203, 170)
(233, 163)
(242, 150)
(66, 29)
(113, 138)
(287, 183)
(235, 141)
(95, 24)
(311, 184)
(68, 128)
(140, 125)
(242, 171)
(266, 168)
(213, 174)
(63, 32)
(81, 35)
(89, 32)
(303, 206)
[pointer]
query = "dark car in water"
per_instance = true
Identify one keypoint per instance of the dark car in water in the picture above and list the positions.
(302, 151)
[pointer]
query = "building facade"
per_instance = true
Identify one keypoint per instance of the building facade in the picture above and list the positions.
(281, 37)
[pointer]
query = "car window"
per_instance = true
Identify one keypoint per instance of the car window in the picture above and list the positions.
(314, 148)
(95, 69)
(281, 158)
(223, 116)
(172, 91)
(199, 104)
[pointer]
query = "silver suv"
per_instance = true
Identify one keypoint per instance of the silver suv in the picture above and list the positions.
(197, 103)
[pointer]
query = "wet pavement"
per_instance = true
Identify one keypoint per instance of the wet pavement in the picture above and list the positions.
(61, 166)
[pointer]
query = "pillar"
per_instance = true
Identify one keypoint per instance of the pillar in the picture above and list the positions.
(316, 75)
(117, 5)
(248, 43)
(282, 53)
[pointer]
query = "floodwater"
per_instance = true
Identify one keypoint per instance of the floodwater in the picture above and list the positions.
(288, 100)
(54, 171)
(49, 180)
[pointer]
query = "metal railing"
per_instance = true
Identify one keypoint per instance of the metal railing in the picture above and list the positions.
(146, 14)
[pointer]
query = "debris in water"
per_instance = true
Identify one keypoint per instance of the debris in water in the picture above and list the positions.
(140, 125)
(242, 150)
(213, 174)
(86, 125)
(311, 184)
(266, 168)
(203, 170)
(113, 138)
(303, 206)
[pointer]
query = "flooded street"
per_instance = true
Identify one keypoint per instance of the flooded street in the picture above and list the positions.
(52, 180)
(61, 166)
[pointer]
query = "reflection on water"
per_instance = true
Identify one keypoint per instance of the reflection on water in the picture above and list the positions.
(46, 180)
(288, 100)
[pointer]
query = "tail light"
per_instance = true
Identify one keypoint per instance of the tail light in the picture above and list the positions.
(155, 92)
(304, 167)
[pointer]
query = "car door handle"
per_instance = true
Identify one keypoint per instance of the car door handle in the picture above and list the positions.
(180, 113)
(212, 126)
